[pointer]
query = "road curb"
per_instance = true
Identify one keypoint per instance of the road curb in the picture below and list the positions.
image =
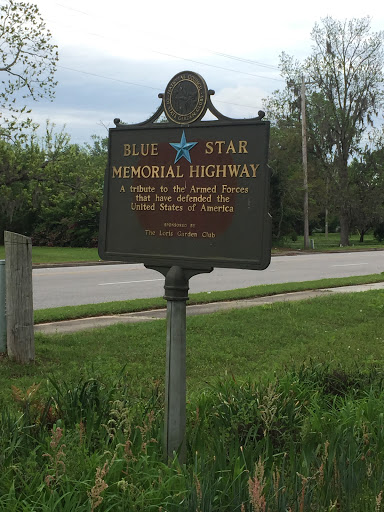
(70, 326)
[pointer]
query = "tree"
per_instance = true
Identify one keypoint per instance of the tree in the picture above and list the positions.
(284, 110)
(286, 180)
(51, 189)
(27, 64)
(24, 166)
(367, 185)
(346, 67)
(70, 209)
(344, 80)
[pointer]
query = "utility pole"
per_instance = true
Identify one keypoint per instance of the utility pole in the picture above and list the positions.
(305, 164)
(326, 207)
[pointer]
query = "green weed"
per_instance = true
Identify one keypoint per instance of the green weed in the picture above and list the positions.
(288, 443)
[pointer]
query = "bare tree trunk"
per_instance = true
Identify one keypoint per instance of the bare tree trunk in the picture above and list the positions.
(281, 219)
(344, 198)
(344, 229)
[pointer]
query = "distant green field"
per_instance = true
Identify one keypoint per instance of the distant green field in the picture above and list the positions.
(332, 242)
(46, 255)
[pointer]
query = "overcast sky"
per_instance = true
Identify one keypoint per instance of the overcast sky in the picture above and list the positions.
(116, 56)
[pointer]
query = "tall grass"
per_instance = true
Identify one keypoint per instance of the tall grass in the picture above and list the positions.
(308, 439)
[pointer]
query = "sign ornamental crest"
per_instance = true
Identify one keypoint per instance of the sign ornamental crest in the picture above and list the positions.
(185, 98)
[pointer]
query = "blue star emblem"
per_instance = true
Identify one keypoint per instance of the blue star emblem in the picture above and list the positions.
(183, 148)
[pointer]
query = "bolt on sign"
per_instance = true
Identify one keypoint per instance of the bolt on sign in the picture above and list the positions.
(188, 192)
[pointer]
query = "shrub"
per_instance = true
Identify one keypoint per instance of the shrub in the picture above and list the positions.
(379, 232)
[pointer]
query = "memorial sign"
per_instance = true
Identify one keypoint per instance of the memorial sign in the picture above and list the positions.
(188, 193)
(183, 197)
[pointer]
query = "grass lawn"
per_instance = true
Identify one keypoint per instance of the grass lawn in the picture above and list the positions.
(46, 255)
(251, 343)
(285, 412)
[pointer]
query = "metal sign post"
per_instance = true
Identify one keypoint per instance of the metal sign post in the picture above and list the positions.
(176, 294)
(183, 197)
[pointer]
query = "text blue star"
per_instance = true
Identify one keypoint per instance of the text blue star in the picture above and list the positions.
(183, 148)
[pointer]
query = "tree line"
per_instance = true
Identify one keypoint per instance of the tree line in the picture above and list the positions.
(51, 189)
(365, 187)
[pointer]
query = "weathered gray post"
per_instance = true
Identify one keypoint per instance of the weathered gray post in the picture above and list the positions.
(176, 288)
(176, 293)
(18, 277)
(3, 320)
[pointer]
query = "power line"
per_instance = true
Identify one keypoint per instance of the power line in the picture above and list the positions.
(242, 59)
(220, 54)
(218, 67)
(237, 104)
(107, 77)
(141, 85)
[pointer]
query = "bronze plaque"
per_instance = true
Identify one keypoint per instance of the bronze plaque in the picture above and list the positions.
(194, 196)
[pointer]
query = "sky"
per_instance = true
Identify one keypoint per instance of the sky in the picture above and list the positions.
(116, 56)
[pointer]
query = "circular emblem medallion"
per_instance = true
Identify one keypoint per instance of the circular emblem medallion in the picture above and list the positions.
(185, 98)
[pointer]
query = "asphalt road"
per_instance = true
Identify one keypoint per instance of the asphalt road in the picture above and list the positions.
(64, 286)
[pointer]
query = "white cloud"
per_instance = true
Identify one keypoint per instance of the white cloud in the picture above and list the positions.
(240, 102)
(139, 46)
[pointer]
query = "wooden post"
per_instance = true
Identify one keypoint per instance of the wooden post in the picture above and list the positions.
(18, 277)
(3, 319)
